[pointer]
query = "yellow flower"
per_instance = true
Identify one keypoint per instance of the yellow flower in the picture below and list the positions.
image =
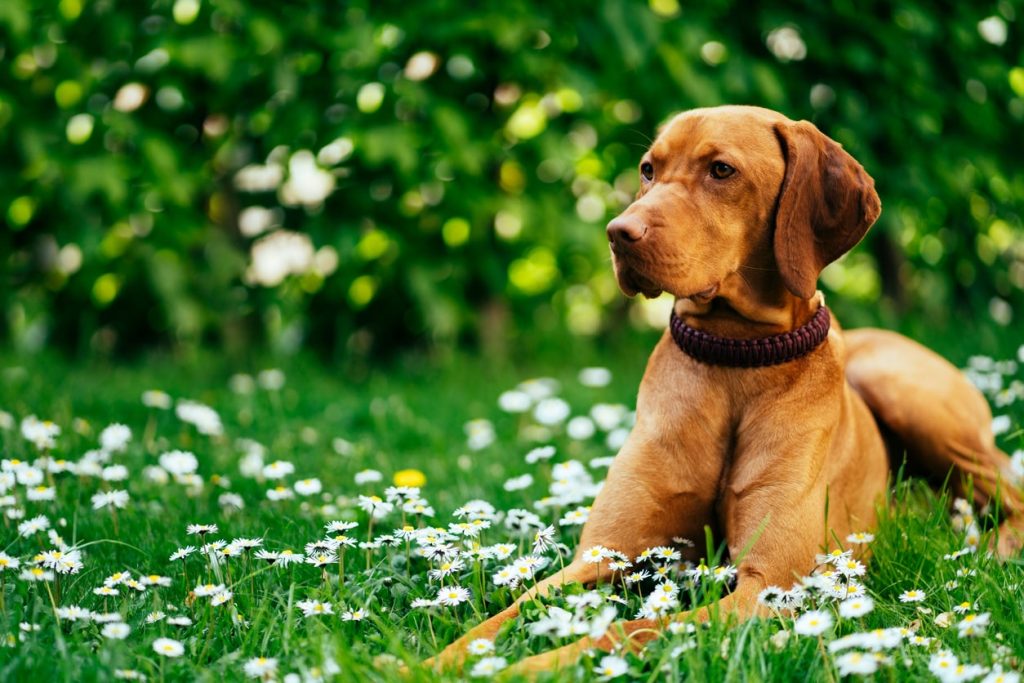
(410, 477)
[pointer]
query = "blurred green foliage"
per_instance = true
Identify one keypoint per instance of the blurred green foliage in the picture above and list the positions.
(357, 176)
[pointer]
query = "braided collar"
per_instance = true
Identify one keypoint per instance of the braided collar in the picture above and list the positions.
(751, 353)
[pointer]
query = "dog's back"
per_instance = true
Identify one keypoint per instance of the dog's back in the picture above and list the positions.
(942, 421)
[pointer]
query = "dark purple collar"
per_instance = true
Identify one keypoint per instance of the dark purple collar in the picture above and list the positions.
(751, 353)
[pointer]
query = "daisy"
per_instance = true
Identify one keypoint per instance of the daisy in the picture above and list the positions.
(812, 623)
(36, 574)
(260, 667)
(544, 539)
(73, 613)
(117, 630)
(860, 537)
(912, 595)
(106, 617)
(179, 463)
(116, 578)
(519, 483)
(447, 569)
(114, 473)
(595, 554)
(452, 596)
(8, 562)
(116, 499)
(114, 438)
(182, 553)
(850, 590)
(155, 398)
(204, 418)
(287, 557)
(368, 477)
(724, 574)
(375, 505)
(322, 559)
(311, 608)
(856, 607)
(856, 663)
(488, 666)
(221, 598)
(963, 607)
(182, 621)
(833, 557)
(611, 667)
(481, 646)
(41, 493)
(279, 469)
(540, 453)
(353, 615)
(636, 577)
(168, 647)
(201, 529)
(973, 625)
(280, 492)
(850, 567)
(514, 401)
(208, 589)
(340, 527)
(576, 517)
(155, 616)
(997, 675)
(422, 603)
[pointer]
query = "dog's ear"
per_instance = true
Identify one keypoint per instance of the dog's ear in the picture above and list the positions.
(826, 204)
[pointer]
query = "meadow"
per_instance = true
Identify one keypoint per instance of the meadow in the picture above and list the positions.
(184, 522)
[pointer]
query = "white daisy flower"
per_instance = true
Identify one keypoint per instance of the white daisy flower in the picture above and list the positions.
(168, 647)
(812, 623)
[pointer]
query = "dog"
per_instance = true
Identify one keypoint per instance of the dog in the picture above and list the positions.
(757, 415)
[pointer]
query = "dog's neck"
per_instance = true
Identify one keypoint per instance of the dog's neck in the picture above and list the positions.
(749, 306)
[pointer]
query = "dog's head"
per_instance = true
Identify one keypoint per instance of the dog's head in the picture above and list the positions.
(729, 188)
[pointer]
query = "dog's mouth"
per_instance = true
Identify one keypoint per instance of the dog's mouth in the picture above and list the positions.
(631, 282)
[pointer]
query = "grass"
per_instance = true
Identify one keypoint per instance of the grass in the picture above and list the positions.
(409, 416)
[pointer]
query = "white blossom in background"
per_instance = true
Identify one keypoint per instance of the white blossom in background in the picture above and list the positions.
(515, 401)
(786, 44)
(204, 418)
(335, 152)
(1001, 424)
(421, 66)
(114, 438)
(595, 377)
(551, 411)
(259, 178)
(479, 434)
(156, 399)
(256, 220)
(278, 255)
(580, 428)
(41, 433)
(1017, 466)
(130, 97)
(993, 30)
(308, 185)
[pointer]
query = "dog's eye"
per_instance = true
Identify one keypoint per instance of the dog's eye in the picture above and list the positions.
(721, 170)
(647, 171)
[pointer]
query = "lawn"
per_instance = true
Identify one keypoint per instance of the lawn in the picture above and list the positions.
(281, 454)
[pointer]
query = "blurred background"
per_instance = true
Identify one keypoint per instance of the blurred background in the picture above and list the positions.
(357, 178)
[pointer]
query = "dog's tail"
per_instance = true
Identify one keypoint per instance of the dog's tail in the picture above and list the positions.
(941, 420)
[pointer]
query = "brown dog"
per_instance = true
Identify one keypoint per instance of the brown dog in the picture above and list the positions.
(739, 210)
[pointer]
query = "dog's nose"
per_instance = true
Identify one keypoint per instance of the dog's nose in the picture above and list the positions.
(625, 229)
